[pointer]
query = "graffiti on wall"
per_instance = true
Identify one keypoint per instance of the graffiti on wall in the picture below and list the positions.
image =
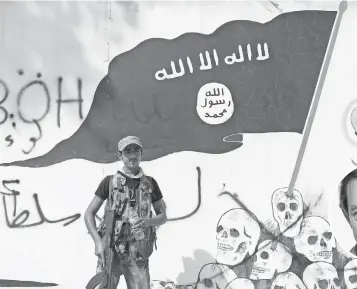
(15, 219)
(249, 255)
(246, 77)
(40, 89)
(202, 93)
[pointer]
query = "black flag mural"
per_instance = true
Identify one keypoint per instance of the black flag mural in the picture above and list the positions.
(202, 92)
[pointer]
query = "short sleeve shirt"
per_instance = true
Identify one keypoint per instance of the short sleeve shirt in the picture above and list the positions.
(102, 191)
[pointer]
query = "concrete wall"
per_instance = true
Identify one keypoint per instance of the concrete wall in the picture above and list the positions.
(63, 49)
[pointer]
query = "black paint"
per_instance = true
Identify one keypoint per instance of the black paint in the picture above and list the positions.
(270, 96)
(19, 220)
(34, 139)
(20, 283)
(46, 92)
(198, 202)
(4, 114)
(78, 100)
(261, 224)
(150, 115)
(10, 140)
(13, 193)
(3, 99)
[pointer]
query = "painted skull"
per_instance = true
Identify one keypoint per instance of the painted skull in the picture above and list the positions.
(157, 284)
(350, 274)
(287, 280)
(315, 240)
(321, 275)
(287, 210)
(238, 233)
(270, 260)
(215, 276)
(240, 283)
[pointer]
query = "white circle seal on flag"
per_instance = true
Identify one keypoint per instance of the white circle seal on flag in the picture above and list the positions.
(214, 103)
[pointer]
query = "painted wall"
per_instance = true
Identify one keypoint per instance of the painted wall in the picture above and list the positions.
(77, 76)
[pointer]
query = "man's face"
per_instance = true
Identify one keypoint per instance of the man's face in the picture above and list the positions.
(131, 156)
(352, 205)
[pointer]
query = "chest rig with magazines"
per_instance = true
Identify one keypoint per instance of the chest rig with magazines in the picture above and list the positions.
(136, 199)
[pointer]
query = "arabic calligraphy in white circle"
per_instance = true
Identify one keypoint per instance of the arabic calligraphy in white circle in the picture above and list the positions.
(214, 103)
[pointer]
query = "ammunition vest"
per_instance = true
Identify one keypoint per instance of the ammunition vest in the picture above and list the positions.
(140, 200)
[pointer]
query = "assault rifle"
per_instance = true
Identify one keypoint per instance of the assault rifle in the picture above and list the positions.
(105, 279)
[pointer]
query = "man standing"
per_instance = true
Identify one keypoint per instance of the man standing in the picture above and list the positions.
(132, 260)
(348, 203)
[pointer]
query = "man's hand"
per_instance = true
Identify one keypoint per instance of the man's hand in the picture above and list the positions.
(141, 224)
(99, 251)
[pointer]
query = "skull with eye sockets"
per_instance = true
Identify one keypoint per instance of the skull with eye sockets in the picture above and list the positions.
(288, 211)
(321, 275)
(315, 240)
(238, 232)
(287, 280)
(270, 260)
(214, 276)
(157, 284)
(350, 274)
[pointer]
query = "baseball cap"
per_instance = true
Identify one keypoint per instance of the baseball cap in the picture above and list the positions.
(124, 142)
